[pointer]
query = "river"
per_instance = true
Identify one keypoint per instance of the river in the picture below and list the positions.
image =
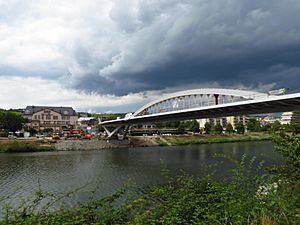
(108, 170)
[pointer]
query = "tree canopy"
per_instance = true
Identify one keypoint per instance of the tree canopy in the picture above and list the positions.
(240, 128)
(253, 125)
(218, 128)
(11, 121)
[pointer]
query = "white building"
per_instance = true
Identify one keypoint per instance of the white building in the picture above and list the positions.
(290, 117)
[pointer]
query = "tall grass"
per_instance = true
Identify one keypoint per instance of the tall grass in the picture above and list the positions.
(25, 146)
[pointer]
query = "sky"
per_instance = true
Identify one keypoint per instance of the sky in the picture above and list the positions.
(116, 55)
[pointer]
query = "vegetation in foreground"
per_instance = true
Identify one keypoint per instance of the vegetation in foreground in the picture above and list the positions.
(9, 146)
(244, 198)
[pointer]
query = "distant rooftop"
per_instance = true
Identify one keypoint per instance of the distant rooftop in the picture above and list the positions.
(68, 111)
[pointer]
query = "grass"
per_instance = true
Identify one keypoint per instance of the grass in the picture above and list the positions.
(13, 146)
(205, 139)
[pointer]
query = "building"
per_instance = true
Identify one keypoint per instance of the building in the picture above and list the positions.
(233, 120)
(56, 118)
(290, 117)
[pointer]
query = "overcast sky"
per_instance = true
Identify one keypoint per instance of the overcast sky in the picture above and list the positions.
(116, 55)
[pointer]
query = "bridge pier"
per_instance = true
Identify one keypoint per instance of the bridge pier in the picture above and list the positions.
(118, 131)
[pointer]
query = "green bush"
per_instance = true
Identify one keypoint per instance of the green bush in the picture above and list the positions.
(22, 146)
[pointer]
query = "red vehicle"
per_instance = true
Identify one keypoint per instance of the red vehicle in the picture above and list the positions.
(75, 134)
(88, 136)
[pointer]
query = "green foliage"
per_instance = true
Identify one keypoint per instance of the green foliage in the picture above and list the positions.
(289, 147)
(295, 127)
(25, 146)
(190, 125)
(181, 128)
(207, 127)
(47, 130)
(276, 126)
(229, 128)
(11, 121)
(217, 140)
(240, 128)
(218, 129)
(32, 131)
(266, 127)
(253, 125)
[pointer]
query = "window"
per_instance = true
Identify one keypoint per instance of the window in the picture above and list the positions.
(39, 117)
(48, 117)
(55, 117)
(35, 117)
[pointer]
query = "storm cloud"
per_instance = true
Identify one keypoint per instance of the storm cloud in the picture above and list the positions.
(180, 42)
(119, 47)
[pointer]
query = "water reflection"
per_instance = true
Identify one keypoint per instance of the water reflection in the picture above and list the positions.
(110, 169)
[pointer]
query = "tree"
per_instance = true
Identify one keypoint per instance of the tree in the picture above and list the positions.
(229, 128)
(207, 127)
(194, 126)
(296, 127)
(253, 125)
(218, 128)
(276, 126)
(11, 121)
(32, 131)
(48, 130)
(240, 128)
(181, 128)
(265, 127)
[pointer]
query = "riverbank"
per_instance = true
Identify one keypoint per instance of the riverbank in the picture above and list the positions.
(148, 141)
(12, 146)
(37, 145)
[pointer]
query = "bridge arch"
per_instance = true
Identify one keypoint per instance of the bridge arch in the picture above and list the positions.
(196, 98)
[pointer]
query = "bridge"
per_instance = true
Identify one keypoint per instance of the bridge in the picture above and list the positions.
(204, 103)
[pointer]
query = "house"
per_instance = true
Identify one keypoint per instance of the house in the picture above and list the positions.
(57, 118)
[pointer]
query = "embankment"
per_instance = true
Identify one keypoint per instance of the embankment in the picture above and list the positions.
(196, 139)
(36, 145)
(12, 146)
(74, 145)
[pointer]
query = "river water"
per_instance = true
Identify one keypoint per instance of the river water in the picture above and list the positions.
(108, 170)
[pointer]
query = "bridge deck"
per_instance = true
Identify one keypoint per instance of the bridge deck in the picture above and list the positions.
(270, 104)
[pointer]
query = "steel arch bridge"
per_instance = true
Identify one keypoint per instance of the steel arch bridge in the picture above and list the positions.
(196, 98)
(205, 103)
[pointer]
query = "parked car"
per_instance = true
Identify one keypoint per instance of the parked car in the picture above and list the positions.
(11, 136)
(88, 136)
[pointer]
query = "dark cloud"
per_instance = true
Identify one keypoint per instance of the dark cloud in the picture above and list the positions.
(129, 46)
(176, 43)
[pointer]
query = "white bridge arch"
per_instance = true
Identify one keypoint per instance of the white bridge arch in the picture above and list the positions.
(205, 103)
(197, 98)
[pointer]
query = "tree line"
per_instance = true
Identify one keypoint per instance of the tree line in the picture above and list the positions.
(252, 125)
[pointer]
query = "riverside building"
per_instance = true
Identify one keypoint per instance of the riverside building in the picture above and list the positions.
(56, 118)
